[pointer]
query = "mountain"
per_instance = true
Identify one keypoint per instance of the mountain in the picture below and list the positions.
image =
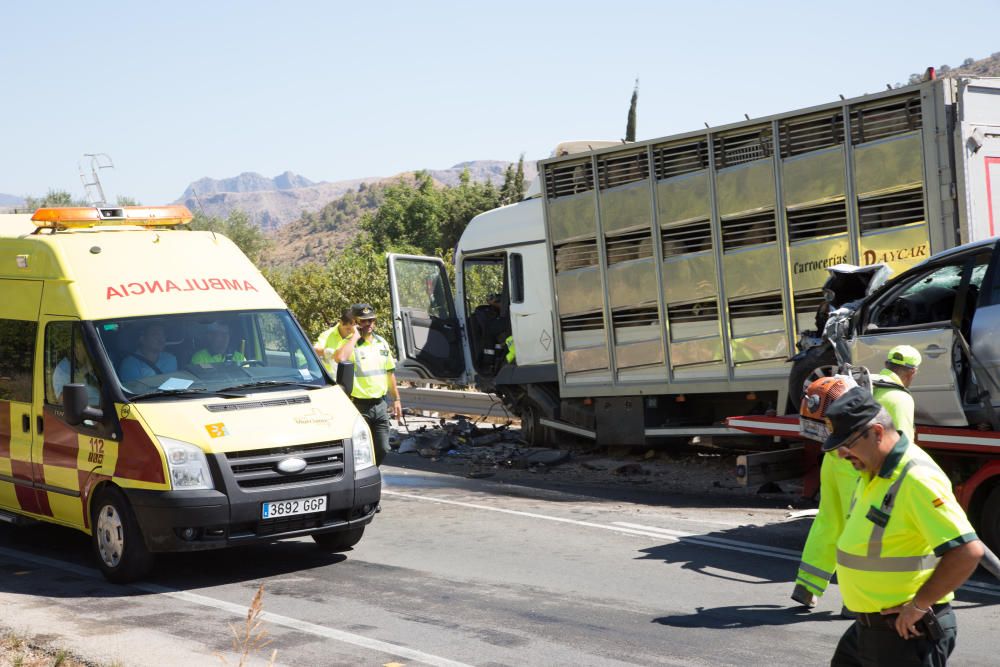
(11, 200)
(272, 203)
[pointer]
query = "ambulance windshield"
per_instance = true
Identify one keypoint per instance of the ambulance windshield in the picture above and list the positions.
(197, 353)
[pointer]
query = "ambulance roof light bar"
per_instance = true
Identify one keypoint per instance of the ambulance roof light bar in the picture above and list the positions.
(77, 217)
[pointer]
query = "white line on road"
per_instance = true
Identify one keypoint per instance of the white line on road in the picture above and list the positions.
(663, 534)
(241, 611)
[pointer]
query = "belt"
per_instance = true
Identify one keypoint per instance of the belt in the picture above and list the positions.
(367, 402)
(879, 621)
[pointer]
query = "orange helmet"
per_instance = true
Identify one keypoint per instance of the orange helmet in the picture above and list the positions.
(818, 397)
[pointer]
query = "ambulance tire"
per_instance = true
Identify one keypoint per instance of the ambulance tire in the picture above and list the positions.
(817, 362)
(339, 541)
(119, 549)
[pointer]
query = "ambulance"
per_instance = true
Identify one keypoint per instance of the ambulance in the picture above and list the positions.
(157, 394)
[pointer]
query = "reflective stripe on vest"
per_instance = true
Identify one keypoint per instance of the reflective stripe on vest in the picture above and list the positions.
(815, 571)
(874, 561)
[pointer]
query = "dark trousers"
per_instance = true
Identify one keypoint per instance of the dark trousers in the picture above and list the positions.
(377, 416)
(883, 647)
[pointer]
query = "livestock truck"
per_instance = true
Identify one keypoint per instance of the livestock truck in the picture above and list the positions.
(652, 289)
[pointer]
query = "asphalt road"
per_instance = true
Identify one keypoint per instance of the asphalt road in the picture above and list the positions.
(457, 571)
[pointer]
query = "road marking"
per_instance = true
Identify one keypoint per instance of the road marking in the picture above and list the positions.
(241, 611)
(663, 534)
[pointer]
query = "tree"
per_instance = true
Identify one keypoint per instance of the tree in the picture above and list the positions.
(237, 227)
(630, 124)
(512, 190)
(125, 200)
(53, 198)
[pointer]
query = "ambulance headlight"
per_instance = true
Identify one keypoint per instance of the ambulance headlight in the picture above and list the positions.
(187, 464)
(361, 441)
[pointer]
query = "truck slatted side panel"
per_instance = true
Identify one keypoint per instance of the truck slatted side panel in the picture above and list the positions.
(810, 134)
(679, 159)
(636, 317)
(576, 255)
(622, 170)
(748, 230)
(823, 220)
(755, 307)
(563, 180)
(806, 306)
(734, 149)
(892, 210)
(584, 322)
(683, 239)
(637, 245)
(885, 119)
(688, 313)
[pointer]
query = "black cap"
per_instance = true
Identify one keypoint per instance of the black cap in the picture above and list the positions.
(847, 415)
(362, 311)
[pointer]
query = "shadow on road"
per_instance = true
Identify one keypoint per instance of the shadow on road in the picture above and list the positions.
(745, 616)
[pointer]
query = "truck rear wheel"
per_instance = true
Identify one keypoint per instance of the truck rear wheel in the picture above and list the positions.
(117, 541)
(532, 431)
(989, 520)
(818, 362)
(339, 541)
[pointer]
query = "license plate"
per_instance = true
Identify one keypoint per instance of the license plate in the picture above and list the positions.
(280, 508)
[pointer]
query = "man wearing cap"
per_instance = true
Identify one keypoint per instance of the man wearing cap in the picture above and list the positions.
(906, 544)
(373, 376)
(328, 341)
(838, 479)
(891, 387)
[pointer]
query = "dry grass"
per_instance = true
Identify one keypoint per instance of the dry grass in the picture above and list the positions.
(20, 650)
(250, 638)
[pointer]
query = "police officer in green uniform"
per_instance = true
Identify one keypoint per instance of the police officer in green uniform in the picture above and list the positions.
(906, 544)
(838, 478)
(373, 376)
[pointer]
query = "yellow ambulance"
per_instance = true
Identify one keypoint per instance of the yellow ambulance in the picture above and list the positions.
(157, 394)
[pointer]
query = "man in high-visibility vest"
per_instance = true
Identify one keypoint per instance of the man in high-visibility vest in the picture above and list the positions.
(327, 342)
(374, 376)
(838, 477)
(906, 544)
(891, 387)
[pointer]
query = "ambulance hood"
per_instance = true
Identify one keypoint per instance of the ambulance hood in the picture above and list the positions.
(259, 421)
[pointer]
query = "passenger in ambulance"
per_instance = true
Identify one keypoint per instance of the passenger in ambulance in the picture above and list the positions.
(217, 349)
(149, 357)
(79, 369)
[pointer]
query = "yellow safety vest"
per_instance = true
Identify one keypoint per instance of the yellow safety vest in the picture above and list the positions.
(204, 357)
(329, 339)
(511, 352)
(372, 363)
(901, 522)
(838, 479)
(897, 402)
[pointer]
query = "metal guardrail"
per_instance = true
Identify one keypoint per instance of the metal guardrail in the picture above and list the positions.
(451, 401)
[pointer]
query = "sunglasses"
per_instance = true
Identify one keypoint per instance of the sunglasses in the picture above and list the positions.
(853, 441)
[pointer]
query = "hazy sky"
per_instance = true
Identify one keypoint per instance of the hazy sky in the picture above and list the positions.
(178, 90)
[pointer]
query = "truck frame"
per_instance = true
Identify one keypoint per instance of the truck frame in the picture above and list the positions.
(652, 289)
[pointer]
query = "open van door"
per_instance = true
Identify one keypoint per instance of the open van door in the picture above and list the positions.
(430, 341)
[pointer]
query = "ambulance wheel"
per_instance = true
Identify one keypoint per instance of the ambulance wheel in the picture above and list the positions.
(339, 541)
(818, 362)
(121, 553)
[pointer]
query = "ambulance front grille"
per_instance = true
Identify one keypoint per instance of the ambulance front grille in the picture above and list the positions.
(259, 468)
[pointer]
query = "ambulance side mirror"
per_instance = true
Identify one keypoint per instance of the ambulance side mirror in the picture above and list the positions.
(75, 399)
(345, 376)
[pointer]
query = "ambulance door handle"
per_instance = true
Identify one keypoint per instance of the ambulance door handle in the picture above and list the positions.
(40, 423)
(25, 423)
(934, 351)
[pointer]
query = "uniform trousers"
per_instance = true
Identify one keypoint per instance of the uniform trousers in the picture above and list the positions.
(377, 415)
(881, 646)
